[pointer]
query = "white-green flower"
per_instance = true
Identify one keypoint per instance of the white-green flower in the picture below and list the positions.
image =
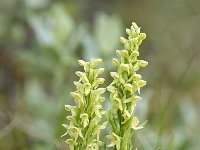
(74, 132)
(115, 140)
(71, 143)
(93, 146)
(84, 119)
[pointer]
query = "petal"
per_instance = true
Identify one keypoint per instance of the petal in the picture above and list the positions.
(115, 62)
(124, 67)
(87, 87)
(135, 122)
(94, 62)
(143, 63)
(81, 62)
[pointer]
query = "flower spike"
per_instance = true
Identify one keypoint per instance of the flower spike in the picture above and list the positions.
(84, 127)
(125, 88)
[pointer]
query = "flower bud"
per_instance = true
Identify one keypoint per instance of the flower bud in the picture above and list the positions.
(128, 87)
(143, 63)
(115, 62)
(81, 62)
(124, 67)
(135, 122)
(134, 41)
(84, 119)
(142, 36)
(127, 46)
(87, 87)
(94, 62)
(128, 31)
(123, 40)
(137, 76)
(141, 83)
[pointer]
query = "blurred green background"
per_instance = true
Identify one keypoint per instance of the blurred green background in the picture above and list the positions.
(41, 41)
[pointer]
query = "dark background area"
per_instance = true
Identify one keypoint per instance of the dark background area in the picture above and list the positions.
(41, 41)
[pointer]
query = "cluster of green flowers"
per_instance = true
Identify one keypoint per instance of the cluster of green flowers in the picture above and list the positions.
(84, 128)
(124, 88)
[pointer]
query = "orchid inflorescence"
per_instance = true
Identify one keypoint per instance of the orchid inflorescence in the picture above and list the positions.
(124, 88)
(84, 128)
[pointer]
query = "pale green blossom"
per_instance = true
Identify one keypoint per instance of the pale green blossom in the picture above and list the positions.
(71, 143)
(93, 146)
(115, 140)
(84, 119)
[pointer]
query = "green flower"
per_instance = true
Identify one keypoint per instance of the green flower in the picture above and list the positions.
(124, 89)
(93, 146)
(84, 128)
(85, 119)
(71, 143)
(75, 132)
(115, 140)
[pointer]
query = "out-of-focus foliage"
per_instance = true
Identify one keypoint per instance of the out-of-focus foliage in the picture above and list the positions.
(41, 40)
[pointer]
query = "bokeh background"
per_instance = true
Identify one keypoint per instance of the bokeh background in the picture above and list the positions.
(41, 41)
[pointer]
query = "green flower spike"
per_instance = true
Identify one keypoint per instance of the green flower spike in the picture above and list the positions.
(84, 128)
(124, 90)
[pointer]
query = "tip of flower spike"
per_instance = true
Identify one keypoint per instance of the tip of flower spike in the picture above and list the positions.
(142, 36)
(94, 62)
(134, 24)
(81, 62)
(128, 31)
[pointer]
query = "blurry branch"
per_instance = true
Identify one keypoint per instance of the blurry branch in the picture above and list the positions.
(28, 129)
(18, 122)
(166, 107)
(9, 127)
